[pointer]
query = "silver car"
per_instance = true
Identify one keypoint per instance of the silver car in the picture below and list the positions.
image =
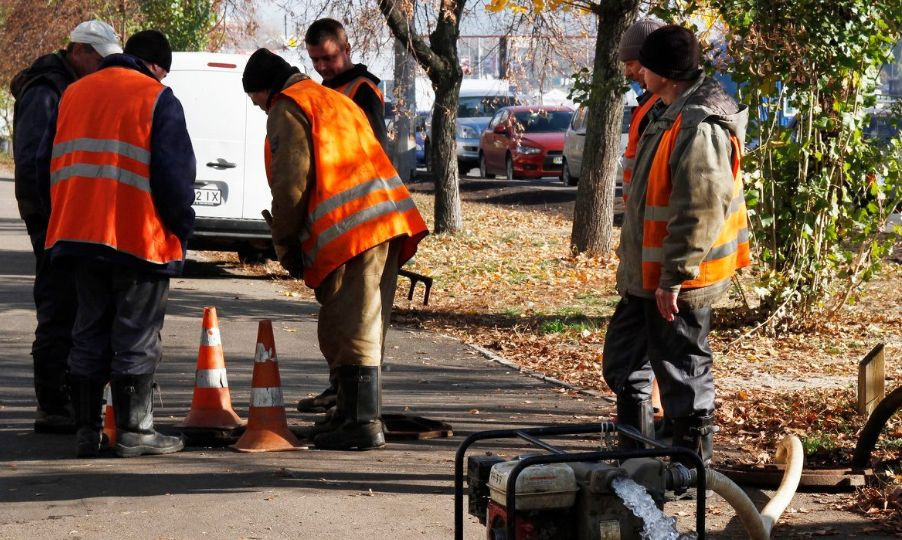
(575, 139)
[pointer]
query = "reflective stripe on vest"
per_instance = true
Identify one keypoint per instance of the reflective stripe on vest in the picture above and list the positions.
(730, 250)
(100, 167)
(350, 88)
(357, 201)
(632, 142)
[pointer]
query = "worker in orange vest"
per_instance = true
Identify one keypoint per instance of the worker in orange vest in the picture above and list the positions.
(330, 52)
(121, 189)
(343, 220)
(684, 235)
(37, 90)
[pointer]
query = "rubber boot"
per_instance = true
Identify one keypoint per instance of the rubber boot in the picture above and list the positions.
(328, 422)
(87, 397)
(55, 413)
(133, 403)
(697, 434)
(325, 400)
(638, 415)
(359, 400)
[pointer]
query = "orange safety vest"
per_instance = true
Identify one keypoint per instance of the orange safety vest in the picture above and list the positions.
(632, 142)
(357, 201)
(100, 167)
(731, 249)
(350, 88)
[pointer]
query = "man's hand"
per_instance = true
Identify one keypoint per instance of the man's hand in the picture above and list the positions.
(667, 303)
(294, 263)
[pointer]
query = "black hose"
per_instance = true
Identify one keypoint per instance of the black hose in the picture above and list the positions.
(874, 426)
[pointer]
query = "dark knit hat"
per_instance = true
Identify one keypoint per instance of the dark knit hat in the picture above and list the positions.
(150, 46)
(266, 71)
(671, 52)
(634, 37)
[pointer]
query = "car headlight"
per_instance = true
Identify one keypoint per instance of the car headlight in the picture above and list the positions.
(466, 132)
(524, 149)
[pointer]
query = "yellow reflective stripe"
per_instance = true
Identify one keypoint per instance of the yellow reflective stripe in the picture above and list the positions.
(355, 220)
(102, 145)
(102, 172)
(340, 199)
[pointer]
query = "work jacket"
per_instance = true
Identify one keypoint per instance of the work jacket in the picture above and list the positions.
(363, 88)
(638, 123)
(685, 224)
(37, 91)
(335, 192)
(117, 191)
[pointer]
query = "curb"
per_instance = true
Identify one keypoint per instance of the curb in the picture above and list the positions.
(497, 358)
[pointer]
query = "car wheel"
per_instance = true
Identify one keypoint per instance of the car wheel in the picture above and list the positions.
(509, 167)
(483, 172)
(566, 177)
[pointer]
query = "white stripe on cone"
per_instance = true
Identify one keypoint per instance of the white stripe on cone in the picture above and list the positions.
(209, 337)
(267, 397)
(263, 354)
(211, 378)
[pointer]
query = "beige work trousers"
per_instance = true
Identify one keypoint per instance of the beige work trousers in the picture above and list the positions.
(355, 307)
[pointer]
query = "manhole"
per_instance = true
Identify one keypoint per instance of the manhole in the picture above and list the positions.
(769, 476)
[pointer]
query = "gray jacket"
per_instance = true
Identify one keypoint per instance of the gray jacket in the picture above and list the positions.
(702, 180)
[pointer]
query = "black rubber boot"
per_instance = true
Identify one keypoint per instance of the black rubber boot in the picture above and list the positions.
(638, 415)
(133, 403)
(328, 422)
(697, 434)
(325, 400)
(359, 404)
(55, 413)
(87, 397)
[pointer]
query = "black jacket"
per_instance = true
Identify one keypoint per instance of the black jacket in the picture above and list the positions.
(37, 91)
(366, 99)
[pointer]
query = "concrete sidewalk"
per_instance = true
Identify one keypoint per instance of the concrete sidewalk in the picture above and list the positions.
(403, 491)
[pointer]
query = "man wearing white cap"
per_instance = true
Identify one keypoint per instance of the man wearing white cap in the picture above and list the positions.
(37, 91)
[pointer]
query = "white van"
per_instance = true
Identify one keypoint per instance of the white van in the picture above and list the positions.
(227, 132)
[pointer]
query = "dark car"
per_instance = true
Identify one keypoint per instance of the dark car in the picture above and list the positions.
(524, 142)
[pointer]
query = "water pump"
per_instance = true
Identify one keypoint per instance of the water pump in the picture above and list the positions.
(608, 494)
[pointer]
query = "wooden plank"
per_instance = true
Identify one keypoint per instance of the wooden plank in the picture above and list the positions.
(871, 375)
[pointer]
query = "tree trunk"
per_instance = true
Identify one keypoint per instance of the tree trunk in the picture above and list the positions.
(403, 148)
(593, 214)
(443, 152)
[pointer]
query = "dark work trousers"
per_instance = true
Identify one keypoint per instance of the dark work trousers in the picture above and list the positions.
(54, 301)
(120, 315)
(641, 345)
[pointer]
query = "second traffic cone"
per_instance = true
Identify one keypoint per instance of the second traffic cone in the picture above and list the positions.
(211, 406)
(656, 401)
(109, 418)
(267, 425)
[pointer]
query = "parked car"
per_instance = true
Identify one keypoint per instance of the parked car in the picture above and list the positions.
(227, 132)
(524, 142)
(575, 138)
(419, 138)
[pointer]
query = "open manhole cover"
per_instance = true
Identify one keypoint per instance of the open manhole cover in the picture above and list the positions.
(769, 476)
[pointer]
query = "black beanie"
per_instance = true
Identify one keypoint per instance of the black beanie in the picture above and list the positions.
(671, 52)
(266, 71)
(150, 46)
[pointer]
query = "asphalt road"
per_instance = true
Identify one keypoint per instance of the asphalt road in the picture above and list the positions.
(401, 492)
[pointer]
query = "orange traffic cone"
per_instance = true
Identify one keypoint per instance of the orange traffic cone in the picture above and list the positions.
(211, 406)
(109, 418)
(267, 426)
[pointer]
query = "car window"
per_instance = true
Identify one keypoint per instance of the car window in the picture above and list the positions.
(579, 119)
(543, 121)
(495, 120)
(482, 106)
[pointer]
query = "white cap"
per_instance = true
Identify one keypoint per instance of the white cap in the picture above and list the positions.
(97, 34)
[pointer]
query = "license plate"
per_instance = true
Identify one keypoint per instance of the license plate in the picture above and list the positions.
(557, 160)
(207, 197)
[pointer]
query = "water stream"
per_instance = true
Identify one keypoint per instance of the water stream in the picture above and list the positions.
(656, 524)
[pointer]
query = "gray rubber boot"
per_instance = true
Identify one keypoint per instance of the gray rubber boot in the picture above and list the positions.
(87, 398)
(133, 403)
(638, 415)
(359, 404)
(697, 434)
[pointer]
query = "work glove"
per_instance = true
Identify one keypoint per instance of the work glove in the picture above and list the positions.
(293, 262)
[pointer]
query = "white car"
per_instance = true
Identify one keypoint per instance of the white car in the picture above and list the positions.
(575, 139)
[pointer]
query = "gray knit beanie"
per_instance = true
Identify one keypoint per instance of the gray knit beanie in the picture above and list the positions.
(635, 35)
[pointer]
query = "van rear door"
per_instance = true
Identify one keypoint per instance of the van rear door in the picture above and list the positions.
(215, 111)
